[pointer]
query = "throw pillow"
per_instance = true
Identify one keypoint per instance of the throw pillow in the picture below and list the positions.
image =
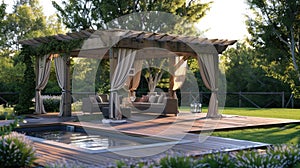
(152, 99)
(161, 98)
(144, 98)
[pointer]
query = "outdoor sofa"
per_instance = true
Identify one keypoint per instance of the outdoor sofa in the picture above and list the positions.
(156, 104)
(95, 103)
(146, 104)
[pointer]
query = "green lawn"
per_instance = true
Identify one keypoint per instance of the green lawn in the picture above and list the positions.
(257, 112)
(265, 112)
(6, 113)
(275, 135)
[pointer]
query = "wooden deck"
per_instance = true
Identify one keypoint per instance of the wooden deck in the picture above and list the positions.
(48, 153)
(176, 127)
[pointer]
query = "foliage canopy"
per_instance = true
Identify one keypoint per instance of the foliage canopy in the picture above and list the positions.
(275, 34)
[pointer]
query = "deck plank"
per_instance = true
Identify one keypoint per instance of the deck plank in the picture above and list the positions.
(162, 126)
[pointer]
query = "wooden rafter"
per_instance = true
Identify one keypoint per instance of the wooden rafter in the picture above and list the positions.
(140, 40)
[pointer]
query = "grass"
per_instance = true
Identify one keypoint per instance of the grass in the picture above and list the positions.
(265, 112)
(6, 113)
(257, 112)
(275, 135)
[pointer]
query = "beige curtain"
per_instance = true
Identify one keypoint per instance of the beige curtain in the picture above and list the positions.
(44, 64)
(60, 64)
(125, 61)
(208, 64)
(180, 72)
(133, 82)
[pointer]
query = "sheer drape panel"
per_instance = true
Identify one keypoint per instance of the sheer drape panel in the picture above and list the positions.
(44, 64)
(125, 61)
(208, 64)
(138, 65)
(133, 82)
(180, 72)
(60, 71)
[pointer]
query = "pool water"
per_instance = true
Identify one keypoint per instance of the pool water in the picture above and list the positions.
(83, 140)
(93, 140)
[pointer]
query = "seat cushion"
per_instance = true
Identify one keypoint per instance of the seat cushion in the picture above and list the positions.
(99, 99)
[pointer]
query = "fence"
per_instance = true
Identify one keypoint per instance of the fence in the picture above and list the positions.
(233, 99)
(9, 98)
(243, 99)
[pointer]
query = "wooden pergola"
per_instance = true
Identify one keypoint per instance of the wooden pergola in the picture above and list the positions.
(107, 43)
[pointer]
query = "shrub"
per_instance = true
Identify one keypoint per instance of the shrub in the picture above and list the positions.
(177, 161)
(252, 159)
(285, 155)
(216, 160)
(16, 151)
(7, 129)
(67, 164)
(51, 103)
(278, 156)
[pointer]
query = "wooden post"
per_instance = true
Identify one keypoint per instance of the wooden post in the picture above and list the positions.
(172, 73)
(282, 99)
(240, 99)
(67, 110)
(37, 68)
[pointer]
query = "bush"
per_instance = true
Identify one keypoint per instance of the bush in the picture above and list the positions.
(217, 160)
(51, 103)
(66, 164)
(285, 155)
(278, 156)
(7, 129)
(16, 151)
(178, 161)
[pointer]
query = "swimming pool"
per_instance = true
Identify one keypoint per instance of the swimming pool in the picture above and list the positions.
(92, 140)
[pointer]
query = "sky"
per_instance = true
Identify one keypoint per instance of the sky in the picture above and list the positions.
(225, 20)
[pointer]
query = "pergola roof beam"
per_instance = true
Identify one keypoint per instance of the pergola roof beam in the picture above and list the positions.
(140, 39)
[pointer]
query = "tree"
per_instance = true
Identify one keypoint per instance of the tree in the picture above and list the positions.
(2, 15)
(94, 14)
(28, 21)
(275, 30)
(25, 21)
(244, 74)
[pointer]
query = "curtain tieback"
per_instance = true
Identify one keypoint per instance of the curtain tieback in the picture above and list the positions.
(65, 91)
(215, 90)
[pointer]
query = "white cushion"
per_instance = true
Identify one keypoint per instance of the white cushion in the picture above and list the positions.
(152, 99)
(161, 98)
